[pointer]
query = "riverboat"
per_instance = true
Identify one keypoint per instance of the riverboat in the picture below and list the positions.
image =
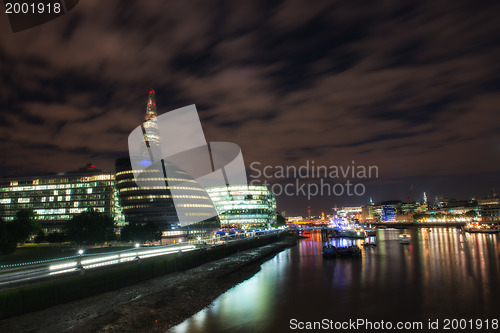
(404, 239)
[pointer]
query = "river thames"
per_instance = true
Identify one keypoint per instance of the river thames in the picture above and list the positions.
(442, 274)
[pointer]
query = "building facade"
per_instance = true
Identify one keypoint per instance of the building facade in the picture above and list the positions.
(244, 206)
(55, 199)
(152, 203)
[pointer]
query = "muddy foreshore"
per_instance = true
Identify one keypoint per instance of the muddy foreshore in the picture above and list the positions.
(150, 306)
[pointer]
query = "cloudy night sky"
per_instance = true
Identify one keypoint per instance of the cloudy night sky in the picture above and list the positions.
(411, 87)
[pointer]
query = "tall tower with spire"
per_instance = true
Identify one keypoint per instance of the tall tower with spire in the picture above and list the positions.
(151, 109)
(150, 131)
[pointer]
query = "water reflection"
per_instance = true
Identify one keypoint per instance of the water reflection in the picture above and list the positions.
(442, 272)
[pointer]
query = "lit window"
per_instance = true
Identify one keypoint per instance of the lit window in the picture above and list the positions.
(89, 190)
(51, 199)
(55, 192)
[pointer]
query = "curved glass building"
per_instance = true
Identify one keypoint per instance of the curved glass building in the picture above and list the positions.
(153, 203)
(244, 206)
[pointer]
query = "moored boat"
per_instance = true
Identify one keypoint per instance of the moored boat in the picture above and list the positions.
(370, 232)
(330, 251)
(404, 239)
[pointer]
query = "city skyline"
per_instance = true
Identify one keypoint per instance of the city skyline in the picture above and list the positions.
(289, 83)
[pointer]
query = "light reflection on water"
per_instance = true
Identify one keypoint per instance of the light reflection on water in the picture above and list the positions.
(441, 273)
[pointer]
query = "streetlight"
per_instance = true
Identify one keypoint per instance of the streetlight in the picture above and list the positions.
(79, 265)
(136, 245)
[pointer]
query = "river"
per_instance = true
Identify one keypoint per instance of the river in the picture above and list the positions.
(443, 273)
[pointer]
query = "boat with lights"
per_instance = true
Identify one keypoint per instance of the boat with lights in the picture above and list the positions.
(347, 230)
(404, 239)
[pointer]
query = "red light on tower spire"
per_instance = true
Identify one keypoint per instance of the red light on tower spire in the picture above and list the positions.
(151, 111)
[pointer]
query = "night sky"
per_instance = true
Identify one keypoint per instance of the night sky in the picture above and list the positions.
(411, 87)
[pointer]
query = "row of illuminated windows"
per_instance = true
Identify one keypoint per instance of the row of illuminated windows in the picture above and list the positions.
(239, 207)
(194, 205)
(58, 217)
(173, 233)
(245, 221)
(179, 205)
(246, 198)
(157, 179)
(45, 217)
(97, 191)
(223, 194)
(138, 206)
(241, 201)
(126, 172)
(161, 188)
(55, 187)
(198, 214)
(142, 197)
(243, 188)
(245, 217)
(241, 197)
(61, 180)
(51, 211)
(52, 198)
(63, 204)
(37, 196)
(64, 211)
(83, 182)
(246, 211)
(244, 203)
(97, 178)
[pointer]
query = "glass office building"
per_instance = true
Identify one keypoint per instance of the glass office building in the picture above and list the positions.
(153, 201)
(57, 198)
(244, 206)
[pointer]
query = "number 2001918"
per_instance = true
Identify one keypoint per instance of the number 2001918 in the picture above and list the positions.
(33, 8)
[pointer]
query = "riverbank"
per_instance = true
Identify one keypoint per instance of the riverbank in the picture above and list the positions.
(150, 306)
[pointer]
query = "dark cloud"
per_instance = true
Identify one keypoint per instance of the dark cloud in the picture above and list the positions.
(409, 86)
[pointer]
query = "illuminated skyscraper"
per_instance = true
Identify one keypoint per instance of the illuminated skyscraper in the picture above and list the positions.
(151, 133)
